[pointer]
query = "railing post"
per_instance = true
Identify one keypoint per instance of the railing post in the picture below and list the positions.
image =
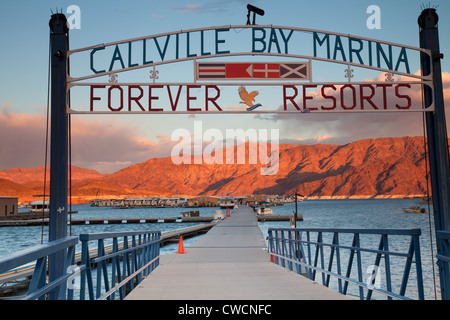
(350, 263)
(115, 267)
(338, 260)
(270, 243)
(65, 292)
(277, 250)
(420, 287)
(359, 263)
(39, 276)
(387, 263)
(283, 249)
(298, 250)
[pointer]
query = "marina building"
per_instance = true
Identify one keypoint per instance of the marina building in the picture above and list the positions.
(8, 205)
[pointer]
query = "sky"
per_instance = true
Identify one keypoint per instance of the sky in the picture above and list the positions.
(108, 143)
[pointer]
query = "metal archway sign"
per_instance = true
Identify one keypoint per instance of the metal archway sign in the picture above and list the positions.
(211, 50)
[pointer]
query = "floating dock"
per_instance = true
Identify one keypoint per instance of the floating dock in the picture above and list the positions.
(230, 262)
(199, 219)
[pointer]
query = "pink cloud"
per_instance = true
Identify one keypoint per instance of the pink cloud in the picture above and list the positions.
(100, 145)
(341, 128)
(22, 139)
(189, 8)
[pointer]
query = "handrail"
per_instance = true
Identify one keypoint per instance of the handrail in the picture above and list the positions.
(39, 288)
(138, 250)
(291, 247)
(443, 237)
(139, 256)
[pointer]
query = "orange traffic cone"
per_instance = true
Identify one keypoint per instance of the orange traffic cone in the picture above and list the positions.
(180, 246)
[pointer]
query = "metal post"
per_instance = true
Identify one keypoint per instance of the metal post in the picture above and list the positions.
(59, 142)
(436, 134)
(296, 208)
(296, 212)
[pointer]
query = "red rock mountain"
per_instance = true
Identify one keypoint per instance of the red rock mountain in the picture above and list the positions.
(35, 176)
(375, 167)
(367, 168)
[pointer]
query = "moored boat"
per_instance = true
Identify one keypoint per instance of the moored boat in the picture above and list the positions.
(263, 208)
(39, 206)
(226, 202)
(414, 209)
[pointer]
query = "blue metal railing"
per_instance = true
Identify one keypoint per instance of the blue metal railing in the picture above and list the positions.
(138, 252)
(296, 250)
(39, 288)
(443, 256)
(444, 238)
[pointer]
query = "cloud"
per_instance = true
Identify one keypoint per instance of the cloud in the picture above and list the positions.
(22, 139)
(188, 8)
(108, 148)
(105, 146)
(210, 7)
(234, 107)
(341, 128)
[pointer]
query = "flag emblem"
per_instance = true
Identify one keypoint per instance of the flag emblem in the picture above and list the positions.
(266, 70)
(252, 71)
(293, 71)
(211, 70)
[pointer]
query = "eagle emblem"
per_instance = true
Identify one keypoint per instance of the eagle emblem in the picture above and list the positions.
(248, 98)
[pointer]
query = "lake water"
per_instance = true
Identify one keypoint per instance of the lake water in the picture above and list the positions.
(366, 214)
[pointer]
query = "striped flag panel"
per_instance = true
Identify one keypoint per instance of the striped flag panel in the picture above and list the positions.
(211, 70)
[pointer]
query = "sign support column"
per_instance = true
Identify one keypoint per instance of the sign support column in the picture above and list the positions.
(59, 143)
(437, 135)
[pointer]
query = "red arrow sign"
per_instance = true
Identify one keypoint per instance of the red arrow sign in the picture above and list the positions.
(239, 71)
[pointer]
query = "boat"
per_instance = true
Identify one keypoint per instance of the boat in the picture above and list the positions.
(264, 211)
(226, 202)
(39, 206)
(42, 207)
(414, 209)
(263, 208)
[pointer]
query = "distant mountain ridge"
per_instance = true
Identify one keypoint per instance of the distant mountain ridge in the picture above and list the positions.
(384, 167)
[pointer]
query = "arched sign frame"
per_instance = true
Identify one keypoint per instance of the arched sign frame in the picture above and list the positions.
(422, 80)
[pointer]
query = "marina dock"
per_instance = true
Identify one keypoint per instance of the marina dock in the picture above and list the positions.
(198, 219)
(229, 262)
(166, 238)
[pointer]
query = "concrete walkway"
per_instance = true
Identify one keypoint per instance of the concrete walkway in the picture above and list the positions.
(230, 262)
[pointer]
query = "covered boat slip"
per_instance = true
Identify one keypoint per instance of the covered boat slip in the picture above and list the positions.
(229, 262)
